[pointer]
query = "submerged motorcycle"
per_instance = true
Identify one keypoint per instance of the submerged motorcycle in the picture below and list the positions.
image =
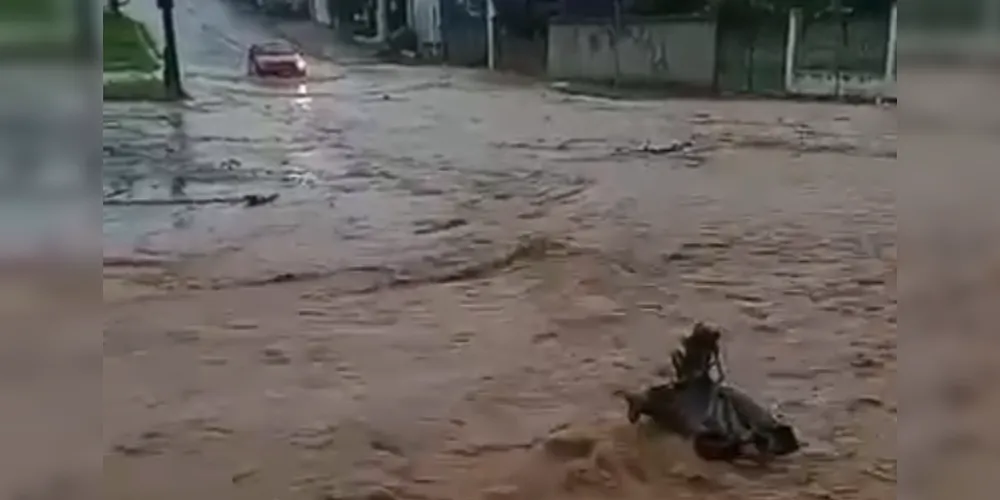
(723, 422)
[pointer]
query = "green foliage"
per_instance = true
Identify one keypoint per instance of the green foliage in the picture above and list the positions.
(669, 7)
(115, 6)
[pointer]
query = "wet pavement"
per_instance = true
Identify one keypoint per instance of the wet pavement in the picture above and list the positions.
(460, 265)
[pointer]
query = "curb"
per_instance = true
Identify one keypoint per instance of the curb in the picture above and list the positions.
(150, 44)
(129, 76)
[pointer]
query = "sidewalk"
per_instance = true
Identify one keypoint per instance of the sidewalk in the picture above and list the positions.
(130, 76)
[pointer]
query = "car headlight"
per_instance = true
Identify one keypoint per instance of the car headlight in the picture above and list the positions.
(300, 63)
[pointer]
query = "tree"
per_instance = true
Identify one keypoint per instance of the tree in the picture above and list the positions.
(668, 8)
(115, 6)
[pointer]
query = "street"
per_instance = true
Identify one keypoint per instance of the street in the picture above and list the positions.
(462, 265)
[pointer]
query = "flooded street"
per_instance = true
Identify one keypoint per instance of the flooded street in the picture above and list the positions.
(462, 268)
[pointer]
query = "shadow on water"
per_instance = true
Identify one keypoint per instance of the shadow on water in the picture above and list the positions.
(179, 154)
(237, 78)
(295, 91)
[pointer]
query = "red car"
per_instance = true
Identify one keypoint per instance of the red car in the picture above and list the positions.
(279, 59)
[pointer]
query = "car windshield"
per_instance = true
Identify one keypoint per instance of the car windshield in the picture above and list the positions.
(276, 49)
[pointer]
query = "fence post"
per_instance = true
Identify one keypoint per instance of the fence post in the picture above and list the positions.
(838, 53)
(890, 50)
(615, 32)
(791, 47)
(718, 67)
(491, 35)
(115, 6)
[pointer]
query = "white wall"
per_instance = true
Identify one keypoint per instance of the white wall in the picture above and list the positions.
(321, 12)
(425, 20)
(646, 52)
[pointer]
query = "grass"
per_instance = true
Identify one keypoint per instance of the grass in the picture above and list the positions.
(143, 89)
(31, 11)
(128, 50)
(127, 45)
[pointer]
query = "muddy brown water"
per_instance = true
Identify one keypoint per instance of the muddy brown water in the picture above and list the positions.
(462, 270)
(423, 331)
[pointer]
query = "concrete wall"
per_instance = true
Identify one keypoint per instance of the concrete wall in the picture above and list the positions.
(649, 51)
(843, 84)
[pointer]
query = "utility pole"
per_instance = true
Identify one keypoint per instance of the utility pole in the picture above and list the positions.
(116, 6)
(381, 20)
(491, 35)
(171, 66)
(616, 32)
(838, 54)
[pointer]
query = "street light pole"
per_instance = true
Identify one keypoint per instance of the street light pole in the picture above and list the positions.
(171, 66)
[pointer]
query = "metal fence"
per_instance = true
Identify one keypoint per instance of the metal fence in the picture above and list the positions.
(751, 54)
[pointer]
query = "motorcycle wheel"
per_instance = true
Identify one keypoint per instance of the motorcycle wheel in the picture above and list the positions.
(784, 441)
(714, 447)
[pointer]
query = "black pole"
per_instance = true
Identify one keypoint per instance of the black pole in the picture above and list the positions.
(171, 66)
(616, 32)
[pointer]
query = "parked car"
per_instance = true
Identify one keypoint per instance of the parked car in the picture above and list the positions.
(276, 59)
(298, 9)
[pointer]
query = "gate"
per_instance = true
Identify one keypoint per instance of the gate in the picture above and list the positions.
(750, 51)
(463, 31)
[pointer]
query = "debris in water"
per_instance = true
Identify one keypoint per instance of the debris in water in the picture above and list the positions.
(177, 186)
(244, 474)
(647, 148)
(570, 444)
(719, 419)
(670, 148)
(248, 200)
(255, 200)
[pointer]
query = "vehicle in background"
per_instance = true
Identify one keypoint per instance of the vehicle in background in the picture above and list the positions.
(276, 59)
(293, 9)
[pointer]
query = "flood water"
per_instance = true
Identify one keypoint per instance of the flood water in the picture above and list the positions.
(460, 266)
